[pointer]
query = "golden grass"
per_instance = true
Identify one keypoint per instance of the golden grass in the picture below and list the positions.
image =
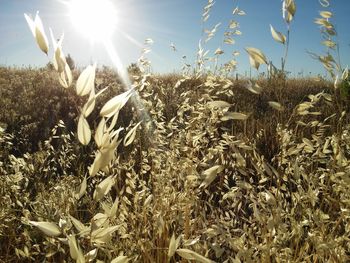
(219, 170)
(281, 196)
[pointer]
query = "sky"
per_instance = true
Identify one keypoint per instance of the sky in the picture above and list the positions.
(178, 22)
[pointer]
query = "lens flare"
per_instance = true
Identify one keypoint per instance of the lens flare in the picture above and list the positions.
(97, 19)
(123, 73)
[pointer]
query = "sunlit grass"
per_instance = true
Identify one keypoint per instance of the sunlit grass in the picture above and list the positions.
(128, 166)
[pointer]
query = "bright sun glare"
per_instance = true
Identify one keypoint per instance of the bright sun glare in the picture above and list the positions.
(96, 19)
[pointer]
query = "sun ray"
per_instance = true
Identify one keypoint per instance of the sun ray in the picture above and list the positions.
(113, 55)
(132, 40)
(123, 73)
(97, 19)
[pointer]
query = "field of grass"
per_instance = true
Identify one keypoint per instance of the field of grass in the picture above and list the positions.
(188, 167)
(268, 188)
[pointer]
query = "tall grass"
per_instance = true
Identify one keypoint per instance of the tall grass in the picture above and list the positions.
(209, 169)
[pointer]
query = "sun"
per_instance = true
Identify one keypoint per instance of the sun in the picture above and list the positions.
(96, 19)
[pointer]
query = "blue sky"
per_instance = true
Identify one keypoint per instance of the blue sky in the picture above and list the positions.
(177, 21)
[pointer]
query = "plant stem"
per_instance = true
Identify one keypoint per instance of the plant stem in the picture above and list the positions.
(286, 49)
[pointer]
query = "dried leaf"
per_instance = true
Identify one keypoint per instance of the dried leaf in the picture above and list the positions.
(50, 229)
(172, 246)
(91, 255)
(89, 105)
(276, 105)
(79, 225)
(288, 10)
(74, 249)
(329, 43)
(86, 81)
(38, 32)
(324, 22)
(326, 14)
(256, 89)
(82, 189)
(66, 78)
(210, 175)
(103, 188)
(279, 37)
(103, 234)
(220, 104)
(59, 60)
(100, 220)
(270, 199)
(100, 131)
(233, 24)
(218, 51)
(191, 255)
(120, 259)
(114, 105)
(234, 116)
(256, 57)
(229, 41)
(112, 212)
(84, 132)
(103, 158)
(239, 12)
(130, 136)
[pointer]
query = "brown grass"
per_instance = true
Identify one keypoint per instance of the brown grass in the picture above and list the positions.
(277, 199)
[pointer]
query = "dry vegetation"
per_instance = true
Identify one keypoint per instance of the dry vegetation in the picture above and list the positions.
(219, 169)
